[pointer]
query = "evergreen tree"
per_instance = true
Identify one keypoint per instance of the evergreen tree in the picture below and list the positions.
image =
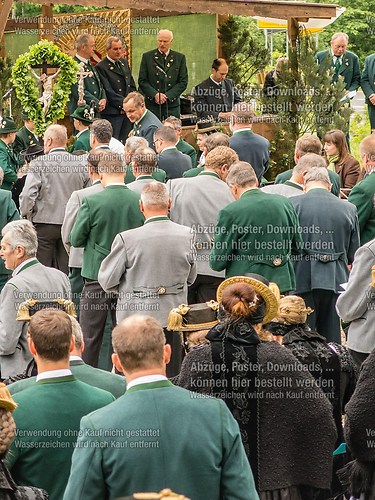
(244, 51)
(305, 101)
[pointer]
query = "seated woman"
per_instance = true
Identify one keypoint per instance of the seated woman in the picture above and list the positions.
(340, 160)
(285, 420)
(8, 488)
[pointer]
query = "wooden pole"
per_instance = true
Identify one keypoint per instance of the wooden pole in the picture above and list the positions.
(4, 14)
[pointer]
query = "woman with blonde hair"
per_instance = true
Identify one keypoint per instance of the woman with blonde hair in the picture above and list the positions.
(262, 384)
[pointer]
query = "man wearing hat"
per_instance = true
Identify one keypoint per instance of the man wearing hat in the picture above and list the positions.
(8, 213)
(8, 160)
(144, 121)
(82, 118)
(216, 96)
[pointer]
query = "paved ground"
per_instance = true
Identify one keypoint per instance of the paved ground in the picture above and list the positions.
(358, 102)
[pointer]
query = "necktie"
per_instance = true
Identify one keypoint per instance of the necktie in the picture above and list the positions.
(118, 66)
(337, 65)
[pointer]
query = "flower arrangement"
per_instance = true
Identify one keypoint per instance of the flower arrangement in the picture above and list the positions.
(27, 90)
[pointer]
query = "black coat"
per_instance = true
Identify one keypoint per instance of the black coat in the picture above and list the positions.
(211, 99)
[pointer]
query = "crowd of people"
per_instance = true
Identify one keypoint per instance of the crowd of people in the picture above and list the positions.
(224, 298)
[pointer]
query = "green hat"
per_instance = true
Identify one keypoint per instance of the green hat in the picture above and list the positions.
(24, 116)
(82, 113)
(7, 125)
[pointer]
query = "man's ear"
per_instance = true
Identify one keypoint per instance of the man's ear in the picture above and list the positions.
(116, 361)
(167, 353)
(31, 346)
(141, 207)
(72, 345)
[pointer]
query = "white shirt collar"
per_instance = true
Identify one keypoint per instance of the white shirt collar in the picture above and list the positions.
(111, 60)
(115, 184)
(53, 374)
(147, 379)
(217, 83)
(82, 59)
(141, 117)
(23, 264)
(166, 53)
(84, 130)
(75, 358)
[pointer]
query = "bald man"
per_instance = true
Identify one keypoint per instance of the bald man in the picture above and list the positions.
(163, 77)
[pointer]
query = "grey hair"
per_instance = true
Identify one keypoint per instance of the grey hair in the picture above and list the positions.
(110, 39)
(82, 40)
(57, 133)
(338, 35)
(21, 233)
(155, 194)
(309, 161)
(170, 33)
(76, 332)
(145, 158)
(317, 174)
(133, 143)
(102, 130)
(242, 174)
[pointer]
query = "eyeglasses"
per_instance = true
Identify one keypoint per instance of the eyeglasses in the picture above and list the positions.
(156, 140)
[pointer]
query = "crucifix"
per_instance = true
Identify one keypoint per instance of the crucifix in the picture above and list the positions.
(82, 74)
(47, 84)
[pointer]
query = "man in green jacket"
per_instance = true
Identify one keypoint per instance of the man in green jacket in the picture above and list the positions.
(8, 213)
(49, 412)
(8, 159)
(257, 233)
(163, 77)
(165, 436)
(363, 193)
(100, 218)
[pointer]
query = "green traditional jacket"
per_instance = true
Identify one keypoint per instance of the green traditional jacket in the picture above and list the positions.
(158, 174)
(47, 419)
(100, 217)
(193, 172)
(9, 164)
(187, 149)
(333, 177)
(82, 142)
(362, 196)
(257, 234)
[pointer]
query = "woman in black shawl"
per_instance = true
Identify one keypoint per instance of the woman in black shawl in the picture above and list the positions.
(285, 420)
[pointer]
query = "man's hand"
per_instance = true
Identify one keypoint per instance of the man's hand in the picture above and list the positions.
(102, 104)
(372, 99)
(160, 98)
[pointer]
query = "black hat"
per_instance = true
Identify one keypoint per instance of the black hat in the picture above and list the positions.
(31, 306)
(205, 126)
(32, 152)
(194, 317)
(7, 125)
(24, 116)
(83, 114)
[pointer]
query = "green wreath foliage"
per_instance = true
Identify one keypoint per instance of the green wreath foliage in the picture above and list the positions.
(27, 89)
